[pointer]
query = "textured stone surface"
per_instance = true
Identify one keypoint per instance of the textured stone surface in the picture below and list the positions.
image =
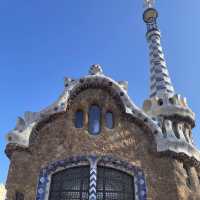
(25, 125)
(57, 139)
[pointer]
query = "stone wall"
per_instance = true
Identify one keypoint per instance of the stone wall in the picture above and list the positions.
(57, 139)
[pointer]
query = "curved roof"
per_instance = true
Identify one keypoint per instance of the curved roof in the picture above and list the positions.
(25, 128)
(20, 135)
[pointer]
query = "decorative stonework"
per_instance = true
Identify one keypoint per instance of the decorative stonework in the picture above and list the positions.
(176, 120)
(169, 109)
(169, 106)
(45, 175)
(161, 84)
(95, 70)
(179, 148)
(26, 126)
(158, 138)
(10, 148)
(160, 80)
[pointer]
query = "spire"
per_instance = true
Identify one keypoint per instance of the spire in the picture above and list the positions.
(161, 84)
(170, 111)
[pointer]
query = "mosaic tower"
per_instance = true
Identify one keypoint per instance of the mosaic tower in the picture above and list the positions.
(94, 143)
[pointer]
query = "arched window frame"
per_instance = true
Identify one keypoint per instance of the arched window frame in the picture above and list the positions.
(76, 120)
(113, 119)
(106, 161)
(99, 121)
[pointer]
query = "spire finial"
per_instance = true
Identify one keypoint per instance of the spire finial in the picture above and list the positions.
(149, 3)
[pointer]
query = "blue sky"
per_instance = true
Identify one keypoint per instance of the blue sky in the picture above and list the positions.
(43, 41)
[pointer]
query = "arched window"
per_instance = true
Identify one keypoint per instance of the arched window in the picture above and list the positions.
(94, 120)
(113, 184)
(109, 120)
(79, 119)
(72, 183)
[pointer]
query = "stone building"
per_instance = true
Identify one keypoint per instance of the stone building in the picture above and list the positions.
(95, 143)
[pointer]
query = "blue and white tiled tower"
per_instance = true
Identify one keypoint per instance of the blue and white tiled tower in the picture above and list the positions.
(165, 106)
(161, 84)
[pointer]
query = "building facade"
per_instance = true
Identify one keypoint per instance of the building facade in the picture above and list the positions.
(94, 143)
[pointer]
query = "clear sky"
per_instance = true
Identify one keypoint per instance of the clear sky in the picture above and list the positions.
(43, 41)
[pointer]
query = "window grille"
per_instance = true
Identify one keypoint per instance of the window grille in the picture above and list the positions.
(70, 184)
(79, 119)
(94, 120)
(114, 185)
(109, 120)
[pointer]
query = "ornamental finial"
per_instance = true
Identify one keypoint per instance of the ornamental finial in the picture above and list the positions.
(149, 3)
(95, 70)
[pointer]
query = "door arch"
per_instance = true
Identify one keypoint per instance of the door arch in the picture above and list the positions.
(137, 185)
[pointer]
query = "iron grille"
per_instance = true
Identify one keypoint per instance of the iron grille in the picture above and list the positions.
(114, 185)
(70, 184)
